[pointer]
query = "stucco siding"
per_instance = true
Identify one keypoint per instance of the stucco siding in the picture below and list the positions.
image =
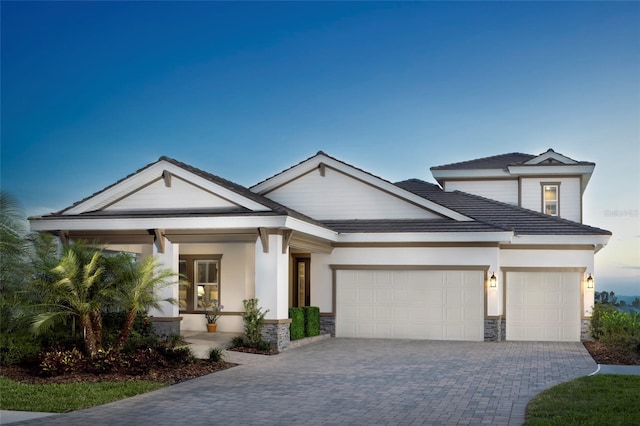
(505, 191)
(322, 275)
(237, 272)
(338, 196)
(570, 198)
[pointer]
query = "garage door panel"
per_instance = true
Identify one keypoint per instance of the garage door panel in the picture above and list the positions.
(410, 304)
(543, 306)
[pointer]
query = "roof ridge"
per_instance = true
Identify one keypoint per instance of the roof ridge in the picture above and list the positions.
(490, 157)
(323, 153)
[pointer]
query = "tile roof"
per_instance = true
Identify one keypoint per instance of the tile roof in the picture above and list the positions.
(501, 215)
(407, 225)
(494, 162)
(276, 208)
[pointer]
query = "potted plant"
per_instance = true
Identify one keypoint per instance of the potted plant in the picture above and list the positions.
(213, 315)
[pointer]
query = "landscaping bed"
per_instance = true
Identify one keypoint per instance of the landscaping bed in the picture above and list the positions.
(169, 375)
(603, 355)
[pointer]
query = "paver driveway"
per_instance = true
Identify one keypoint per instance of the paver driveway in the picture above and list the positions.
(359, 381)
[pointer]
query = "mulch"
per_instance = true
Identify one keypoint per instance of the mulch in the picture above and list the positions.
(603, 355)
(169, 375)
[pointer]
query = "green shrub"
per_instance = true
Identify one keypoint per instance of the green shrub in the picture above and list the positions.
(177, 356)
(311, 320)
(253, 318)
(621, 331)
(17, 348)
(216, 355)
(297, 326)
(596, 328)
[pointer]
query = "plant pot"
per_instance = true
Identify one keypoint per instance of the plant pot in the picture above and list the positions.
(211, 328)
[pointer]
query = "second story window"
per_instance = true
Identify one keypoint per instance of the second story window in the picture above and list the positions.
(550, 199)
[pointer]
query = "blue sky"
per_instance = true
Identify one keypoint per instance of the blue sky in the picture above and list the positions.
(93, 91)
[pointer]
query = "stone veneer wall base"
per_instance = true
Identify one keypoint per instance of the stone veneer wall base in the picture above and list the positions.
(278, 334)
(584, 329)
(328, 325)
(494, 330)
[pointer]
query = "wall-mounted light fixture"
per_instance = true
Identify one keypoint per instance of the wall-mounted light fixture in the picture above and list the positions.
(590, 281)
(493, 281)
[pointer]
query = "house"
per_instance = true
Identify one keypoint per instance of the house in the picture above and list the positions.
(496, 252)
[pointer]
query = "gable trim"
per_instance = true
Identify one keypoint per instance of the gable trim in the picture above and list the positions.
(314, 163)
(150, 175)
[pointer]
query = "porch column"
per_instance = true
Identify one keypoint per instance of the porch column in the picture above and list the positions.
(167, 317)
(272, 287)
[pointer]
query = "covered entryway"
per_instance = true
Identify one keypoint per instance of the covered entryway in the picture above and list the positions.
(410, 304)
(543, 306)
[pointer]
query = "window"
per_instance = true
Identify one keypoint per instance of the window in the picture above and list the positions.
(206, 272)
(550, 198)
(202, 272)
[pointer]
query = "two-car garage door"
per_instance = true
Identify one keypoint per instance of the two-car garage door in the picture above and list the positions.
(412, 304)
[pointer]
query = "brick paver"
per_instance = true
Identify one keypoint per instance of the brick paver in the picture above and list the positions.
(359, 381)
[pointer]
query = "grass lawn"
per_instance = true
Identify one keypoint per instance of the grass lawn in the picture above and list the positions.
(593, 400)
(61, 398)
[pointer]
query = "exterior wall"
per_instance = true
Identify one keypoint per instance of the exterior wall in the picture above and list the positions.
(494, 330)
(584, 330)
(322, 275)
(500, 190)
(532, 259)
(278, 334)
(237, 281)
(180, 195)
(338, 196)
(570, 196)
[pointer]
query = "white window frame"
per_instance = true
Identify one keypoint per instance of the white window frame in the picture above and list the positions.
(202, 305)
(556, 201)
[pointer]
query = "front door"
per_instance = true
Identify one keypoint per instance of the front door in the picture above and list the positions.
(301, 282)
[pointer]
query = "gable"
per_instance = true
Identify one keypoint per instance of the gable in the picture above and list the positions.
(165, 185)
(330, 194)
(179, 194)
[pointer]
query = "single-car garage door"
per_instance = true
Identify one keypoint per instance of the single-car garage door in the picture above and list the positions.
(410, 304)
(543, 306)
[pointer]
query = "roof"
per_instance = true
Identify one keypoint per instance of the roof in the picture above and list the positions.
(494, 162)
(276, 208)
(501, 215)
(504, 161)
(407, 225)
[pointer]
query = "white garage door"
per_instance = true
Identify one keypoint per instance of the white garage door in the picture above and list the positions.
(543, 306)
(410, 304)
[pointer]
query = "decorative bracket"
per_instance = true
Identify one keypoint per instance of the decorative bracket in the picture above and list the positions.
(286, 239)
(64, 238)
(159, 239)
(166, 175)
(264, 239)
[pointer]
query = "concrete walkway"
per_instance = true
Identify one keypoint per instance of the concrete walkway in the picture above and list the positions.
(358, 381)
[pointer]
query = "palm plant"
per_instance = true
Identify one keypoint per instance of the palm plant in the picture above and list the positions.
(13, 257)
(78, 291)
(137, 285)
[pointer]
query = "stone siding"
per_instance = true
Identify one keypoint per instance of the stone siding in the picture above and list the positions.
(494, 330)
(278, 334)
(166, 327)
(328, 325)
(584, 329)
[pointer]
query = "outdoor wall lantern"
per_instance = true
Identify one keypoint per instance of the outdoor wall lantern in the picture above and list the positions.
(493, 281)
(589, 281)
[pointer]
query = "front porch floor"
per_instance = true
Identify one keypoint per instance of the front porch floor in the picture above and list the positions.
(201, 341)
